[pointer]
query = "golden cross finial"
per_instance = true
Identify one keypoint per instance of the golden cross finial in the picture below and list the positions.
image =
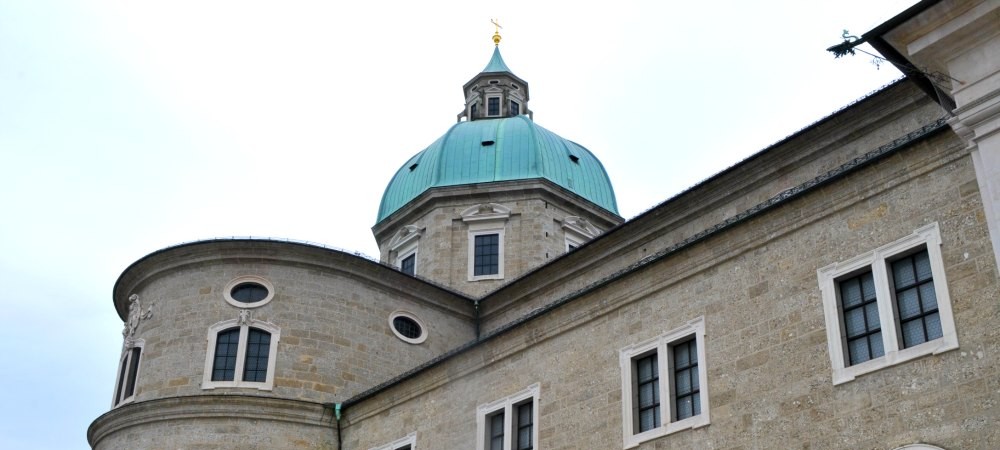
(496, 34)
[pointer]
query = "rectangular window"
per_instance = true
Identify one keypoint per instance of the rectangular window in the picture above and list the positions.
(647, 380)
(408, 265)
(496, 431)
(509, 423)
(128, 373)
(525, 426)
(493, 106)
(515, 108)
(486, 255)
(862, 328)
(887, 306)
(473, 112)
(668, 367)
(686, 386)
(919, 319)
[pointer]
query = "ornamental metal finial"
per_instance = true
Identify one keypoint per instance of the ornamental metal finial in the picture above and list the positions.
(496, 33)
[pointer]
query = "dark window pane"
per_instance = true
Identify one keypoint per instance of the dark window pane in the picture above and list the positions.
(486, 256)
(647, 401)
(408, 265)
(859, 311)
(493, 106)
(496, 431)
(121, 380)
(916, 301)
(685, 379)
(473, 111)
(248, 292)
(407, 327)
(133, 370)
(226, 347)
(525, 423)
(515, 108)
(258, 349)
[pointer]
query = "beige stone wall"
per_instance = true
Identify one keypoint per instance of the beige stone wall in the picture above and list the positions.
(216, 422)
(863, 127)
(769, 372)
(533, 232)
(332, 310)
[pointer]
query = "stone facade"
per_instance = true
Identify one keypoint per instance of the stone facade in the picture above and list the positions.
(755, 285)
(737, 268)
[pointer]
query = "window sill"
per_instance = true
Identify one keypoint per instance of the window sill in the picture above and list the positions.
(687, 424)
(892, 358)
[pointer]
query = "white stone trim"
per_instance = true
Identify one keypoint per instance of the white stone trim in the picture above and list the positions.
(125, 363)
(423, 328)
(928, 236)
(410, 439)
(578, 231)
(661, 346)
(506, 404)
(245, 322)
(227, 291)
(484, 219)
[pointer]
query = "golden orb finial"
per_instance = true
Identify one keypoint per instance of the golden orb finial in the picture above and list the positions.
(496, 33)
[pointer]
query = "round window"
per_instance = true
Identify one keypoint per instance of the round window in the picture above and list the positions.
(249, 292)
(407, 327)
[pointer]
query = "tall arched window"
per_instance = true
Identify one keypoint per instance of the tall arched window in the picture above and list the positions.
(241, 355)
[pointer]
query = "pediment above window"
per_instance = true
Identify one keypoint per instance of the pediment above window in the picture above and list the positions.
(580, 226)
(405, 236)
(485, 211)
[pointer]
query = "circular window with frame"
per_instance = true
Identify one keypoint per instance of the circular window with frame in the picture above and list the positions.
(407, 327)
(248, 292)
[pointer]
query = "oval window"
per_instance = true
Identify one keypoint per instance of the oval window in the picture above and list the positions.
(248, 292)
(407, 327)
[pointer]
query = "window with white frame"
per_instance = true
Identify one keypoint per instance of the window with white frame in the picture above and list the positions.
(509, 423)
(664, 384)
(404, 245)
(128, 372)
(887, 306)
(407, 443)
(486, 223)
(241, 353)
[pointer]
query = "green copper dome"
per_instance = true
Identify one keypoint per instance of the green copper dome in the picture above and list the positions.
(511, 148)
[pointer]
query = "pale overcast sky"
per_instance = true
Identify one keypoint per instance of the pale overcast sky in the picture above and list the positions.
(128, 126)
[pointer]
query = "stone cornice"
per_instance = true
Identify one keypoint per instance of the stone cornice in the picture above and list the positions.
(209, 406)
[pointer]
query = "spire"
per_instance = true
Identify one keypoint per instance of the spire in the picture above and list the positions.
(496, 63)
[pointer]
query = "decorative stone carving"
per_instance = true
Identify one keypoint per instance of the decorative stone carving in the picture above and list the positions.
(485, 211)
(405, 236)
(581, 226)
(135, 315)
(246, 317)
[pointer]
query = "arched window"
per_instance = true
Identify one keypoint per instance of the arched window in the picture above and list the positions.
(241, 355)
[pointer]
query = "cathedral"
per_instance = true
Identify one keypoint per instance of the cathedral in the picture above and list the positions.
(836, 290)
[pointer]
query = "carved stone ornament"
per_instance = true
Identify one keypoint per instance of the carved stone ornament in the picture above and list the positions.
(246, 317)
(485, 211)
(135, 315)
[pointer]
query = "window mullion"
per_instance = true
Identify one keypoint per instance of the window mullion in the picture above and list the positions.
(886, 312)
(241, 354)
(665, 365)
(508, 421)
